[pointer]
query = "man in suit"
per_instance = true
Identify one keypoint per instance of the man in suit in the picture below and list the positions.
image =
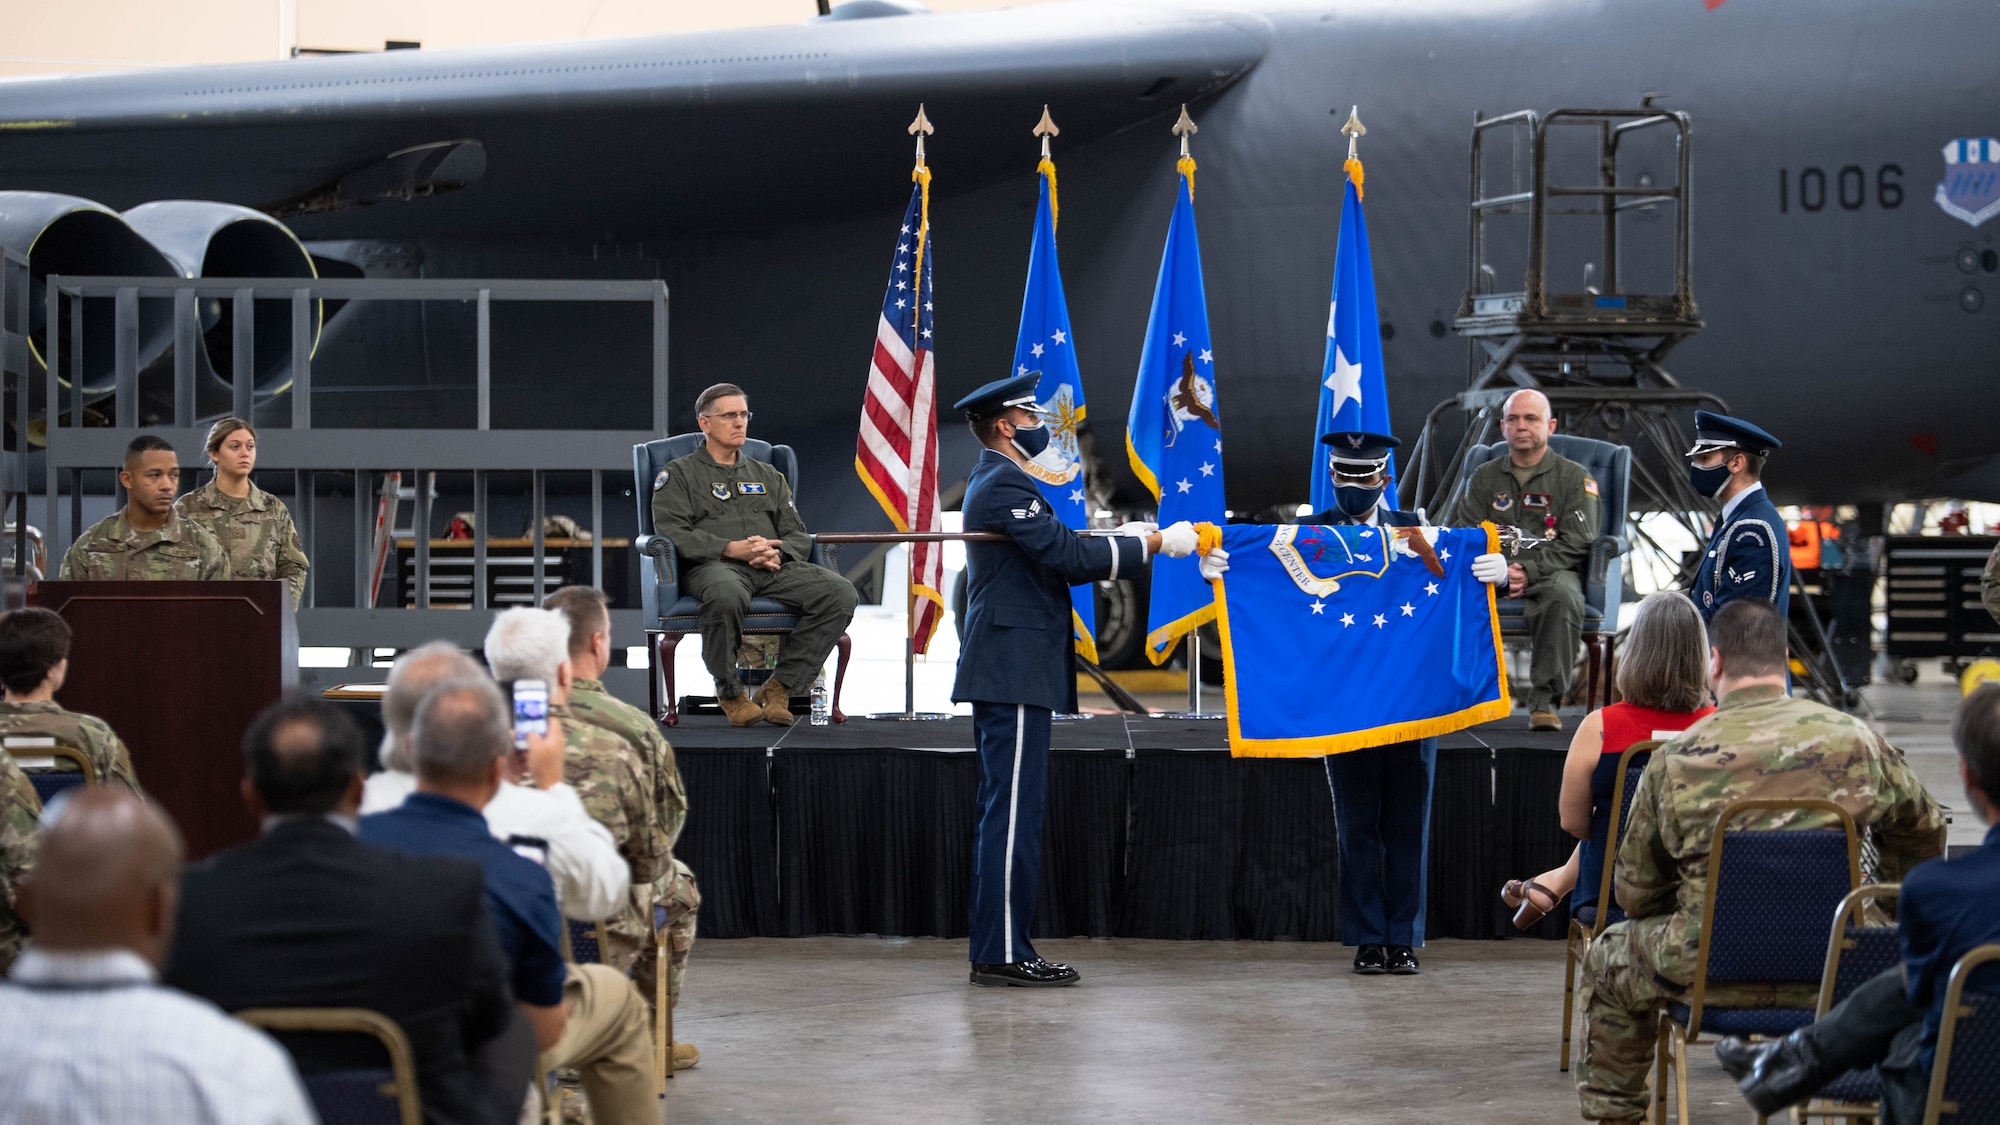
(1014, 666)
(308, 916)
(1381, 794)
(1944, 911)
(1750, 553)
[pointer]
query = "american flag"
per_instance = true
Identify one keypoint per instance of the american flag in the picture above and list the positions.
(896, 454)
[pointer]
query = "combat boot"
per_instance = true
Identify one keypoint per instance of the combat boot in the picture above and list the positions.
(775, 702)
(1545, 720)
(742, 711)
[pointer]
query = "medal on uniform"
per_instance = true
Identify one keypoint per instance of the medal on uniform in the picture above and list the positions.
(1551, 532)
(719, 490)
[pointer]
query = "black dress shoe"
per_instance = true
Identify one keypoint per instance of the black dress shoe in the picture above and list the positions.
(1371, 960)
(1024, 974)
(1785, 1074)
(1402, 961)
(1739, 1056)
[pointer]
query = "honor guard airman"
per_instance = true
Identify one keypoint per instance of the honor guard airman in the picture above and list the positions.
(1015, 668)
(1749, 555)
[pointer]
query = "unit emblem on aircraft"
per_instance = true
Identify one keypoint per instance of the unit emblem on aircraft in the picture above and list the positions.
(1971, 187)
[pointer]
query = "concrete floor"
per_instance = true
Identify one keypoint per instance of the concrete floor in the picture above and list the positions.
(872, 1029)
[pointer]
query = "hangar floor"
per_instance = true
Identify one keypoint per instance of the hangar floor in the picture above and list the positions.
(871, 1029)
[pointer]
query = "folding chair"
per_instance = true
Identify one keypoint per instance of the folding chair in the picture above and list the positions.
(1856, 952)
(1587, 922)
(37, 756)
(359, 1096)
(1965, 1078)
(663, 1000)
(1768, 895)
(583, 943)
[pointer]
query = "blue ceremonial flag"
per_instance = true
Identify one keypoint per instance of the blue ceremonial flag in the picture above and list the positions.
(1044, 344)
(1352, 393)
(1174, 433)
(1332, 643)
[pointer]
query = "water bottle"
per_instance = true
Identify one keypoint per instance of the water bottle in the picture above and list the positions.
(821, 711)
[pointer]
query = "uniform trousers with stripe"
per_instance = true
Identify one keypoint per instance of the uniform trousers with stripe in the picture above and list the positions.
(1382, 813)
(1013, 742)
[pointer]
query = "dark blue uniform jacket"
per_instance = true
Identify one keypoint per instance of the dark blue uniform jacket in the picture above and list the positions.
(1749, 556)
(1016, 638)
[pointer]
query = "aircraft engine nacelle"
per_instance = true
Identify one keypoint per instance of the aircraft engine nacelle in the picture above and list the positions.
(223, 240)
(70, 236)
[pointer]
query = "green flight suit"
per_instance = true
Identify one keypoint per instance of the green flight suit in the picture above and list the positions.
(703, 506)
(1559, 496)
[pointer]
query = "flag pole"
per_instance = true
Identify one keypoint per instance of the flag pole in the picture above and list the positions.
(919, 128)
(1185, 128)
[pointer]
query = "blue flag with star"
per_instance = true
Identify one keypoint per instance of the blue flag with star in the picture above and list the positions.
(1044, 345)
(1173, 435)
(1352, 393)
(1332, 642)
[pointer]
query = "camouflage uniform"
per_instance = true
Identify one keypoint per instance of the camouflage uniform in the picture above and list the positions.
(1989, 583)
(19, 811)
(88, 733)
(675, 887)
(1557, 508)
(616, 787)
(1758, 743)
(180, 551)
(256, 534)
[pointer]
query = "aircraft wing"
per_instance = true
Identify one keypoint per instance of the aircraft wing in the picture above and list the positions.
(719, 130)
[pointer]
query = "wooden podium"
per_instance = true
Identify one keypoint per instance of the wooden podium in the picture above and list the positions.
(179, 670)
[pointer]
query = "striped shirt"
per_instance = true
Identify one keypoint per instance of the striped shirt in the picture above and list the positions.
(90, 1037)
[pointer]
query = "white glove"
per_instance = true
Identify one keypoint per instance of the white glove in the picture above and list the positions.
(1136, 528)
(1178, 540)
(1490, 569)
(1214, 563)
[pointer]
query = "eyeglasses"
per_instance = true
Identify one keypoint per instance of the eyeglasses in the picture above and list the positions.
(733, 416)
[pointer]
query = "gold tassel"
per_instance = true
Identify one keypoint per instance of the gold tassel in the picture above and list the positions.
(1354, 173)
(922, 175)
(1185, 165)
(1048, 168)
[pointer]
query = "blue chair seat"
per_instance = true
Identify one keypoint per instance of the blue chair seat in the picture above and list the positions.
(765, 616)
(48, 783)
(1744, 1021)
(583, 948)
(1854, 1086)
(354, 1097)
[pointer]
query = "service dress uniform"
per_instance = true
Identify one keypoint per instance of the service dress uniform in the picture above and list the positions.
(256, 533)
(1014, 667)
(1749, 555)
(1555, 503)
(1381, 794)
(177, 551)
(703, 505)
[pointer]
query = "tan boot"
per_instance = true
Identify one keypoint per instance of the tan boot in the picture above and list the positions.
(1545, 720)
(742, 711)
(685, 1056)
(775, 701)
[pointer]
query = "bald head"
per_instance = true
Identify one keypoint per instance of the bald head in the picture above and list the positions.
(415, 673)
(1526, 421)
(105, 877)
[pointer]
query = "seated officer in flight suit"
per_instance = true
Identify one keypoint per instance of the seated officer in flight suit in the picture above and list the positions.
(1749, 556)
(1014, 665)
(732, 520)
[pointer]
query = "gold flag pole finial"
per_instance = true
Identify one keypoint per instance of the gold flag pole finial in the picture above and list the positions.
(1353, 130)
(1185, 128)
(1045, 129)
(921, 128)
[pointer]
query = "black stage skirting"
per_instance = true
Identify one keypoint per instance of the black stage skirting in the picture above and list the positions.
(1153, 831)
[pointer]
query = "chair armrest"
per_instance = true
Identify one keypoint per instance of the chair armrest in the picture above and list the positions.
(1603, 551)
(660, 549)
(824, 554)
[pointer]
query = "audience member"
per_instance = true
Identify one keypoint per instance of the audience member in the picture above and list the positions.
(1663, 679)
(254, 527)
(1892, 1021)
(739, 536)
(589, 619)
(34, 661)
(540, 816)
(20, 809)
(146, 540)
(89, 1036)
(1758, 743)
(616, 785)
(308, 916)
(588, 1016)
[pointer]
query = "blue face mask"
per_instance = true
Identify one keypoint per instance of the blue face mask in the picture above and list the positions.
(1710, 481)
(1031, 440)
(1355, 502)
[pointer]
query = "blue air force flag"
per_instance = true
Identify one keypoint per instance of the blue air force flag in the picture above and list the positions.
(1332, 642)
(1044, 345)
(1352, 394)
(1174, 432)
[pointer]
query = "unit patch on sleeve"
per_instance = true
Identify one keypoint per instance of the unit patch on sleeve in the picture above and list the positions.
(660, 481)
